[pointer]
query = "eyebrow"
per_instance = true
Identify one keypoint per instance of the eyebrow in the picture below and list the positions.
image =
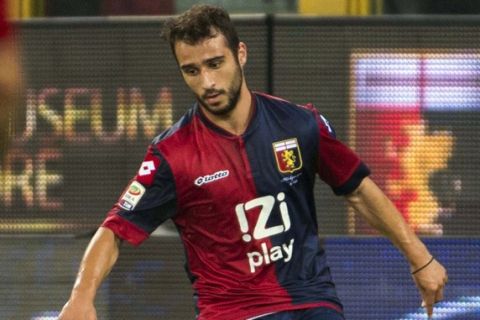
(191, 65)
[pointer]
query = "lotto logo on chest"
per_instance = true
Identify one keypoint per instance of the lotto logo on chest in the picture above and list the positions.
(287, 155)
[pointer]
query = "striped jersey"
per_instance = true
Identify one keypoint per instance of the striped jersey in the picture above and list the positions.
(244, 206)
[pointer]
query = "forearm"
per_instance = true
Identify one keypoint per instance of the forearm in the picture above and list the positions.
(380, 212)
(99, 258)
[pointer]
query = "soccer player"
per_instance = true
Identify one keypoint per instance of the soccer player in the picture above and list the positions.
(236, 175)
(10, 80)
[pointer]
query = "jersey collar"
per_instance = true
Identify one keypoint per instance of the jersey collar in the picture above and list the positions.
(209, 124)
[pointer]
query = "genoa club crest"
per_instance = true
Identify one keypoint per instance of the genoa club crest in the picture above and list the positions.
(288, 156)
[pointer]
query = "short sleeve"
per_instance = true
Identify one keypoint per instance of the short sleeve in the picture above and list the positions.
(338, 166)
(147, 201)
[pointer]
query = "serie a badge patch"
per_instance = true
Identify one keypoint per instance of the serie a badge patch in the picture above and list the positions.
(131, 196)
(288, 155)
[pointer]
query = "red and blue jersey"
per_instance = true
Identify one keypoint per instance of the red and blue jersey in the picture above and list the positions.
(244, 206)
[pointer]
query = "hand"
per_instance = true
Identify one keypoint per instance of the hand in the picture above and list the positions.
(430, 282)
(77, 309)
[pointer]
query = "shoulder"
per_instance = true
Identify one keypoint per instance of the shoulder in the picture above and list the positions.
(306, 113)
(176, 129)
(280, 105)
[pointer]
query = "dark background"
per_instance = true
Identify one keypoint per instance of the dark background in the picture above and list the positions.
(300, 59)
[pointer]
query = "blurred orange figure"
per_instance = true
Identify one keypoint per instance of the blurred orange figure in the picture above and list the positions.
(425, 154)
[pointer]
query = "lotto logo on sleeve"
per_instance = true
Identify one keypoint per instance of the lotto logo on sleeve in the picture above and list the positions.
(148, 168)
(132, 196)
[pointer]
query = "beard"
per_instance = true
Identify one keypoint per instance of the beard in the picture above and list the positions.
(233, 94)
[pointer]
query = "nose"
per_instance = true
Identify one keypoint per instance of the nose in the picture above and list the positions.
(208, 80)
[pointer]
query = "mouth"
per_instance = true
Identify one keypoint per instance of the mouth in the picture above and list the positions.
(212, 98)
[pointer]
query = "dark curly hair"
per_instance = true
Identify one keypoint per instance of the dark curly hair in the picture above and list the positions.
(200, 22)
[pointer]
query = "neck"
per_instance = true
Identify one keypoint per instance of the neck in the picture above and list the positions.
(235, 122)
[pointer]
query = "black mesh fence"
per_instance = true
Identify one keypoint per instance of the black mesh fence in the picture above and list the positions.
(403, 92)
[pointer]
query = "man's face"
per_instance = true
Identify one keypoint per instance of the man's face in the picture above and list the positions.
(212, 72)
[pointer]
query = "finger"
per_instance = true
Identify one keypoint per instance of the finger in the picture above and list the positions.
(428, 304)
(429, 308)
(439, 295)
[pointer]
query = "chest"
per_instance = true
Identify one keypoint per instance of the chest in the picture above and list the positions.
(222, 171)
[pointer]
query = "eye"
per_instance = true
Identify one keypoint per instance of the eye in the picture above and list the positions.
(215, 64)
(190, 71)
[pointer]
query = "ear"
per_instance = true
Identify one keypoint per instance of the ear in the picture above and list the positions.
(242, 53)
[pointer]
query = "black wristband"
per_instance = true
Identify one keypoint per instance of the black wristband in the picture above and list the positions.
(426, 265)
